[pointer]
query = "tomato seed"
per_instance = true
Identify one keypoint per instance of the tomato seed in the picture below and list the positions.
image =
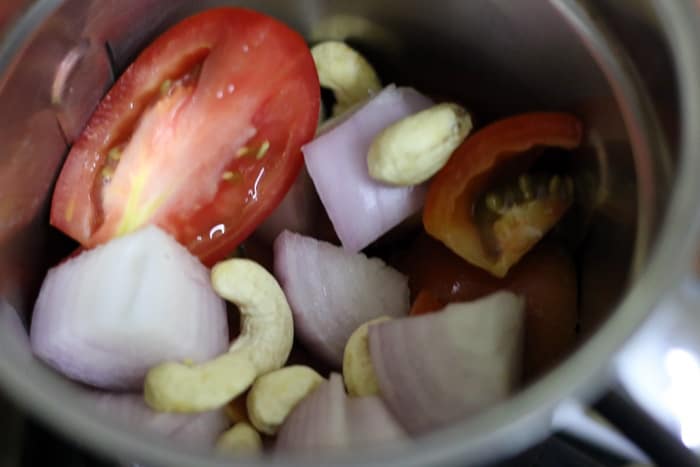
(165, 87)
(263, 150)
(115, 154)
(494, 202)
(230, 176)
(107, 173)
(525, 184)
(555, 185)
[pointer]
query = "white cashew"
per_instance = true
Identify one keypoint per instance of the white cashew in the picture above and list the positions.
(358, 371)
(273, 396)
(412, 150)
(241, 439)
(265, 341)
(176, 387)
(267, 329)
(344, 71)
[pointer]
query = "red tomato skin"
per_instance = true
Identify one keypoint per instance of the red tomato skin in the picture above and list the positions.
(257, 91)
(426, 303)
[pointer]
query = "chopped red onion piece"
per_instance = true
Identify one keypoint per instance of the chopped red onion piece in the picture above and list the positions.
(443, 367)
(107, 316)
(360, 208)
(319, 421)
(327, 419)
(201, 429)
(332, 291)
(371, 421)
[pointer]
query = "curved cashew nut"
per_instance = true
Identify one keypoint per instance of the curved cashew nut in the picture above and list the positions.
(412, 150)
(267, 334)
(273, 396)
(358, 371)
(341, 69)
(242, 438)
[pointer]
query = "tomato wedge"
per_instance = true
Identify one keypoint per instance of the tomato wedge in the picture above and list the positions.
(546, 277)
(201, 135)
(426, 303)
(494, 230)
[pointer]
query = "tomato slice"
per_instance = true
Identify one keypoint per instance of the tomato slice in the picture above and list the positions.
(494, 230)
(426, 303)
(546, 277)
(201, 135)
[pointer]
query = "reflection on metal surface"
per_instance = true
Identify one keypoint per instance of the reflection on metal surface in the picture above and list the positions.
(32, 148)
(125, 25)
(648, 145)
(82, 78)
(10, 10)
(683, 393)
(661, 366)
(65, 69)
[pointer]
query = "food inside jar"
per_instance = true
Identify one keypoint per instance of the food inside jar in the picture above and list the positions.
(438, 277)
(487, 204)
(201, 136)
(396, 248)
(532, 202)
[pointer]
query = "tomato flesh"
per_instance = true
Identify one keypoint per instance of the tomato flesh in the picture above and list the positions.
(426, 303)
(201, 136)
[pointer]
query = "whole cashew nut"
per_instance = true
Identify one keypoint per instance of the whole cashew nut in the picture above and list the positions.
(265, 341)
(273, 396)
(413, 149)
(344, 71)
(358, 372)
(242, 438)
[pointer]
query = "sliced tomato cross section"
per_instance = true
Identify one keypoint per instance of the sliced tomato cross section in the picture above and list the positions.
(496, 237)
(201, 136)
